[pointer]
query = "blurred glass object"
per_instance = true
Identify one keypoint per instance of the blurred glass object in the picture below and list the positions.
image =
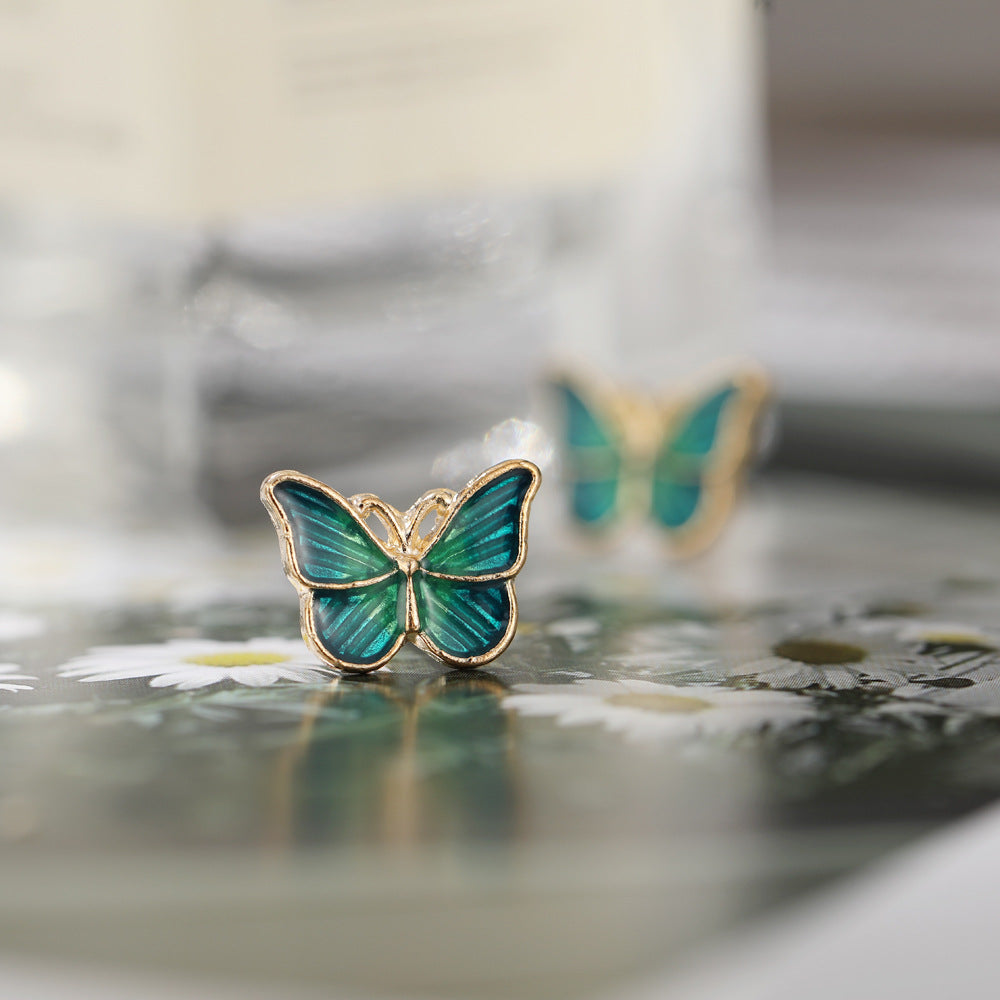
(86, 400)
(363, 346)
(394, 217)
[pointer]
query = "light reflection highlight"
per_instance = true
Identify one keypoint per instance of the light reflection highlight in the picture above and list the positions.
(15, 397)
(511, 438)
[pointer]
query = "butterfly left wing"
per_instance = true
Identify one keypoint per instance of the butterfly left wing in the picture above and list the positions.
(697, 470)
(464, 590)
(592, 454)
(356, 628)
(349, 586)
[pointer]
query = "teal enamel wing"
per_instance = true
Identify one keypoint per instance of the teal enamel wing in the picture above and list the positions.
(680, 465)
(450, 591)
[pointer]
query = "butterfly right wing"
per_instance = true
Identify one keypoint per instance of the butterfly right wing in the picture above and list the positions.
(464, 592)
(699, 467)
(348, 584)
(592, 456)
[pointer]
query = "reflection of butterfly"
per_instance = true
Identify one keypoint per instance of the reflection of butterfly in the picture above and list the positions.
(682, 462)
(393, 761)
(450, 591)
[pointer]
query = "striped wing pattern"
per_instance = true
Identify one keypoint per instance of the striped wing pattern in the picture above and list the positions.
(463, 620)
(330, 545)
(482, 541)
(360, 625)
(483, 537)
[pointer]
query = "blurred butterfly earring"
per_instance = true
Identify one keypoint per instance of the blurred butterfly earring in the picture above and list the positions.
(440, 575)
(680, 461)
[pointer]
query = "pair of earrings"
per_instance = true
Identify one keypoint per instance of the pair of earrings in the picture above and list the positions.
(441, 574)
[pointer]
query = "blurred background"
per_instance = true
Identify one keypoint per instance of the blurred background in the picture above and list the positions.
(334, 237)
(337, 236)
(351, 237)
(882, 305)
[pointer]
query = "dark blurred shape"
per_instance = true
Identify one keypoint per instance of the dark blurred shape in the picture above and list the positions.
(953, 449)
(883, 303)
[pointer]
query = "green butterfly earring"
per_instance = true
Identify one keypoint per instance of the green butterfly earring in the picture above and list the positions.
(371, 577)
(680, 461)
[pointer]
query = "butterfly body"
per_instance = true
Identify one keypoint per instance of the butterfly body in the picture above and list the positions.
(680, 462)
(446, 586)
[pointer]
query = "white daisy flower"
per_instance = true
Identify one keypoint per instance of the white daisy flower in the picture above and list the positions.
(754, 654)
(12, 680)
(645, 712)
(824, 663)
(187, 664)
(952, 643)
(19, 625)
(968, 674)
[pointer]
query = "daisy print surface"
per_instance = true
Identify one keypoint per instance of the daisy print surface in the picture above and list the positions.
(649, 712)
(207, 755)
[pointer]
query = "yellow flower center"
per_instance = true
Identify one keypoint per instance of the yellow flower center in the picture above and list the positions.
(820, 652)
(653, 702)
(965, 640)
(257, 658)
